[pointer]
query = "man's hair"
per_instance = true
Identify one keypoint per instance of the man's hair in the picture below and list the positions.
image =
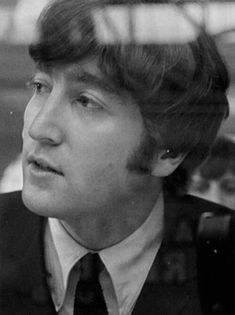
(179, 87)
(220, 160)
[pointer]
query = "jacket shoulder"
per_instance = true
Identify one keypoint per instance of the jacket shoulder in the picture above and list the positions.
(12, 206)
(182, 215)
(193, 206)
(17, 223)
(9, 200)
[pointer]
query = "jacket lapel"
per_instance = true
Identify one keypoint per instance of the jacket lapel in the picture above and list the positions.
(171, 288)
(159, 298)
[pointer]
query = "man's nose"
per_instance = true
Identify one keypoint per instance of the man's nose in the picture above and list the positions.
(47, 124)
(214, 193)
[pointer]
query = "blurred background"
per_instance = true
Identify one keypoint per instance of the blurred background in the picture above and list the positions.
(17, 29)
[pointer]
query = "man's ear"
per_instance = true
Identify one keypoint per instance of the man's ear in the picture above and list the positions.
(166, 162)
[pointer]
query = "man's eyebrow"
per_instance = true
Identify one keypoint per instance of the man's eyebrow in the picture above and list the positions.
(99, 82)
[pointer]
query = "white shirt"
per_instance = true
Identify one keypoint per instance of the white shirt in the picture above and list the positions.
(126, 264)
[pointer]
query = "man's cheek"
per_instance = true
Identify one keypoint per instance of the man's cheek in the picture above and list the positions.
(97, 180)
(100, 174)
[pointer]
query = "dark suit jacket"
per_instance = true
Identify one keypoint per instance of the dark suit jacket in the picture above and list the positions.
(170, 289)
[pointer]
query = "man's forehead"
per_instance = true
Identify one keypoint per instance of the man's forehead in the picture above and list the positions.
(85, 67)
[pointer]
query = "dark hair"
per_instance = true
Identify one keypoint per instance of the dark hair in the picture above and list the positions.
(220, 160)
(179, 88)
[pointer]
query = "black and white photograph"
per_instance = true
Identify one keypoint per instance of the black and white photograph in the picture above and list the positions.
(117, 157)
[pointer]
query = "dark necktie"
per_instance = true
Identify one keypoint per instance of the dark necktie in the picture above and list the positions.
(89, 299)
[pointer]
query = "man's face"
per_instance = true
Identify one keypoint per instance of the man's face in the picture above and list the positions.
(78, 137)
(221, 190)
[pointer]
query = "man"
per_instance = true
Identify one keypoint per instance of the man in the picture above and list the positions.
(214, 180)
(106, 123)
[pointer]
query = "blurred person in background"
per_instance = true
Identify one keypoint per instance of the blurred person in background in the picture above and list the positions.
(108, 130)
(214, 180)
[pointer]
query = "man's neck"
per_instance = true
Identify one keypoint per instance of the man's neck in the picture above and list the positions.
(102, 230)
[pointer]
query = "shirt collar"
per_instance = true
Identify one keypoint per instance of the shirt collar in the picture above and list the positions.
(68, 250)
(130, 259)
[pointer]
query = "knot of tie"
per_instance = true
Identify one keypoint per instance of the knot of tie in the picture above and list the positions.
(89, 298)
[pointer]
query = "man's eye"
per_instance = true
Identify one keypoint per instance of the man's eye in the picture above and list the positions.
(38, 87)
(88, 102)
(228, 187)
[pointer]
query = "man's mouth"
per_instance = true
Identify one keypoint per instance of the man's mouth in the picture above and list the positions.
(43, 165)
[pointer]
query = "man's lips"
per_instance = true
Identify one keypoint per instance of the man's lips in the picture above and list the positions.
(43, 165)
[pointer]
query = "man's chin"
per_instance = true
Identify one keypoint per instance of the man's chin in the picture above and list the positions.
(37, 203)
